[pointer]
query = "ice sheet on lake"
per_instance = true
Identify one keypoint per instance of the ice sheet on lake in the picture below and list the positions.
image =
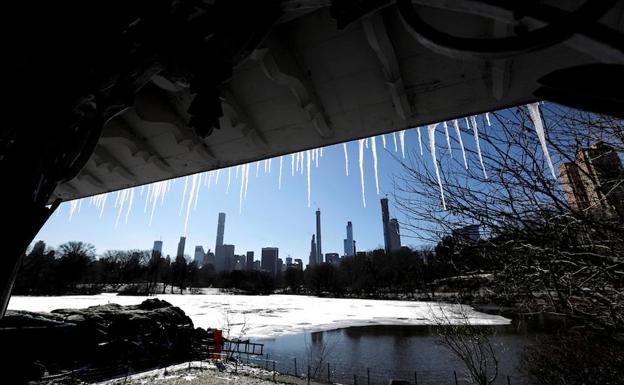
(275, 315)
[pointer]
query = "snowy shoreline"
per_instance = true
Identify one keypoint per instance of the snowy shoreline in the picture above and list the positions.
(275, 315)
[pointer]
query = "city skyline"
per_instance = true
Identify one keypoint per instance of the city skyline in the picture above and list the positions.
(270, 215)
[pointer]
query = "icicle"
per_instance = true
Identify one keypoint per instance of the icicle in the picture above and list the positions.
(461, 142)
(292, 164)
(257, 168)
(321, 152)
(383, 140)
(208, 182)
(374, 150)
(73, 208)
(396, 149)
(308, 167)
(279, 182)
(419, 140)
(448, 139)
(240, 193)
(361, 161)
(266, 166)
(270, 162)
(130, 202)
(475, 130)
(536, 117)
(147, 197)
(487, 118)
(197, 191)
(246, 180)
(217, 177)
(346, 157)
(366, 143)
(301, 169)
(238, 167)
(142, 188)
(227, 188)
(402, 141)
(431, 128)
(316, 157)
(119, 204)
(189, 203)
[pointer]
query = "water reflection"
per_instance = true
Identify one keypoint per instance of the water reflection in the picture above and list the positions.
(384, 352)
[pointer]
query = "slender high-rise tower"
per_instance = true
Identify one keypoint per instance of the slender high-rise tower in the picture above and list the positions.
(385, 218)
(349, 243)
(312, 259)
(220, 230)
(319, 252)
(181, 246)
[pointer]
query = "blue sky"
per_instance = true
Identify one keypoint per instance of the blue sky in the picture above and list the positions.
(270, 217)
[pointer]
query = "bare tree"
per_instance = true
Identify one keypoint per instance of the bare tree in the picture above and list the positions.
(470, 343)
(544, 252)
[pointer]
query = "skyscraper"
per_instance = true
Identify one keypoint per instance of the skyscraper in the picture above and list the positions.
(220, 260)
(228, 258)
(319, 252)
(220, 230)
(250, 260)
(385, 219)
(157, 250)
(392, 235)
(269, 259)
(395, 235)
(200, 256)
(312, 258)
(349, 243)
(181, 245)
(592, 182)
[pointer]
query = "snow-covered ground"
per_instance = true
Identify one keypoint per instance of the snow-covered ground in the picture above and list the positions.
(275, 315)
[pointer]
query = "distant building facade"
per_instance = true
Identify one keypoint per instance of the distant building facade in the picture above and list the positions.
(391, 231)
(349, 243)
(200, 256)
(157, 249)
(467, 234)
(269, 259)
(319, 251)
(332, 258)
(593, 182)
(312, 258)
(181, 246)
(250, 260)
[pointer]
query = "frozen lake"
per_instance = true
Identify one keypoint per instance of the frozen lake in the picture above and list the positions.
(275, 315)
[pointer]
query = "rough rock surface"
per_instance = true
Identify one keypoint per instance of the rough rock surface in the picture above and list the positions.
(140, 336)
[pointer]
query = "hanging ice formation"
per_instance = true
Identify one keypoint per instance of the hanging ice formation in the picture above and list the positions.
(74, 207)
(419, 140)
(227, 189)
(361, 161)
(279, 181)
(431, 128)
(189, 202)
(366, 143)
(383, 140)
(346, 157)
(308, 166)
(487, 118)
(241, 191)
(257, 168)
(402, 141)
(316, 157)
(475, 130)
(448, 139)
(99, 201)
(270, 159)
(461, 142)
(238, 167)
(374, 151)
(123, 196)
(292, 164)
(246, 180)
(217, 177)
(536, 117)
(396, 149)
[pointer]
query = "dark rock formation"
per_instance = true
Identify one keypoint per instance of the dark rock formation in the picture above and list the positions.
(136, 337)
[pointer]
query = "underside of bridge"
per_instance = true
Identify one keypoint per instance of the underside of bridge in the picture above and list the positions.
(106, 95)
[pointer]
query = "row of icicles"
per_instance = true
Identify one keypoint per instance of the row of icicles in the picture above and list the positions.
(300, 163)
